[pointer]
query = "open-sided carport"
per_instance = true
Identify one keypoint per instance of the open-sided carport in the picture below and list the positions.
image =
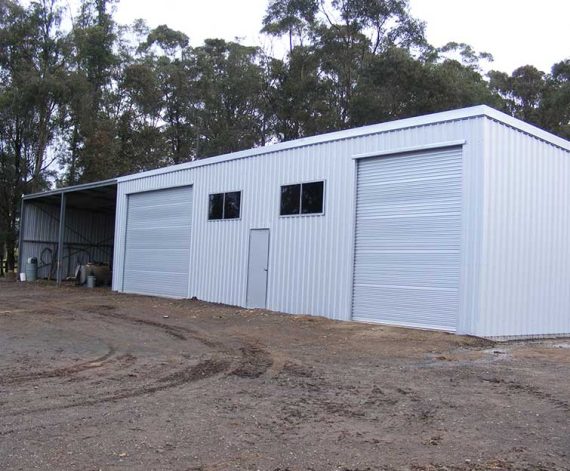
(67, 227)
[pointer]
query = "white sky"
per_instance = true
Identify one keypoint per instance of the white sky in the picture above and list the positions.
(516, 32)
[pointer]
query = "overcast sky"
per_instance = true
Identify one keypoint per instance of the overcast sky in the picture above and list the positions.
(516, 32)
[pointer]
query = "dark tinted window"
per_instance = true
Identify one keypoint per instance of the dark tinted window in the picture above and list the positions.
(312, 198)
(216, 206)
(303, 198)
(290, 199)
(224, 205)
(232, 205)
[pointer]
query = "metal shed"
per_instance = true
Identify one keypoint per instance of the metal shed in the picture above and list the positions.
(67, 227)
(457, 221)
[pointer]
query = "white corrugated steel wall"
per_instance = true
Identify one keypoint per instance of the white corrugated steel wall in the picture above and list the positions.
(88, 237)
(311, 257)
(525, 276)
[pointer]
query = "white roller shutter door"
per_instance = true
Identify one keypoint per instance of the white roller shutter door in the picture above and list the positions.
(408, 239)
(157, 253)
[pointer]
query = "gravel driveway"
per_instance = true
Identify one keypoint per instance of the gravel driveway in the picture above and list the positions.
(94, 380)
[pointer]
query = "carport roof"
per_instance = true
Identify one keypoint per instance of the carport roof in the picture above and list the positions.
(96, 196)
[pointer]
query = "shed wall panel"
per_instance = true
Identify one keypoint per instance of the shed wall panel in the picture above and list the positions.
(526, 257)
(311, 257)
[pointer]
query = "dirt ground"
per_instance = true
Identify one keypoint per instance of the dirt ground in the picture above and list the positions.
(94, 380)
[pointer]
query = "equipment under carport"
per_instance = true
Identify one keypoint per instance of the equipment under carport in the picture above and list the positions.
(101, 271)
(31, 269)
(68, 227)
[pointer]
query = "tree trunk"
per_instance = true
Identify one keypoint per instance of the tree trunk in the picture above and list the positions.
(11, 252)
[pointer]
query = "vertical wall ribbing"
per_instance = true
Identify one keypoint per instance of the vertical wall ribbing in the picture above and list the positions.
(526, 254)
(310, 256)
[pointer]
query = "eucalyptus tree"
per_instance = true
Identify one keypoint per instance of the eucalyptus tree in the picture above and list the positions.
(537, 97)
(294, 18)
(32, 70)
(344, 38)
(556, 103)
(522, 91)
(142, 144)
(300, 97)
(169, 52)
(92, 101)
(230, 90)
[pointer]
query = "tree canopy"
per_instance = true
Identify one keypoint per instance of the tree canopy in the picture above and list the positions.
(100, 99)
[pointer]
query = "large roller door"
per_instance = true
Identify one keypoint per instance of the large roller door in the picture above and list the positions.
(408, 239)
(157, 254)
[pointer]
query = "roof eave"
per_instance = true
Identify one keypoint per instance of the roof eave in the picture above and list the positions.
(69, 189)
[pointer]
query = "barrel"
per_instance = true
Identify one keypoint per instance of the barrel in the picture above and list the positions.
(91, 281)
(32, 269)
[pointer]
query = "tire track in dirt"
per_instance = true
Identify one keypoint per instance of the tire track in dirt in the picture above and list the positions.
(255, 361)
(178, 332)
(60, 372)
(203, 370)
(537, 393)
(249, 361)
(532, 391)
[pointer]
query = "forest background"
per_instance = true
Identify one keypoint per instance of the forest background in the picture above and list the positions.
(84, 98)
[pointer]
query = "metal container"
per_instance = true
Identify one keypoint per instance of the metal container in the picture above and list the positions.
(101, 271)
(91, 279)
(32, 269)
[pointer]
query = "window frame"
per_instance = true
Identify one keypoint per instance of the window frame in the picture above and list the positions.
(223, 218)
(300, 213)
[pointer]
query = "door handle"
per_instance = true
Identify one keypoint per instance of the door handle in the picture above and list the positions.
(265, 269)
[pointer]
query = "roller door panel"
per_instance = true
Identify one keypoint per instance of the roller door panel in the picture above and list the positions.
(157, 253)
(408, 239)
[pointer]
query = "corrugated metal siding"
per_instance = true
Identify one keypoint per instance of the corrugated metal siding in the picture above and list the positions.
(408, 239)
(157, 254)
(311, 257)
(88, 237)
(526, 257)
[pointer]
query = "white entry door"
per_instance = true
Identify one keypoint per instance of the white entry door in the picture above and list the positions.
(258, 268)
